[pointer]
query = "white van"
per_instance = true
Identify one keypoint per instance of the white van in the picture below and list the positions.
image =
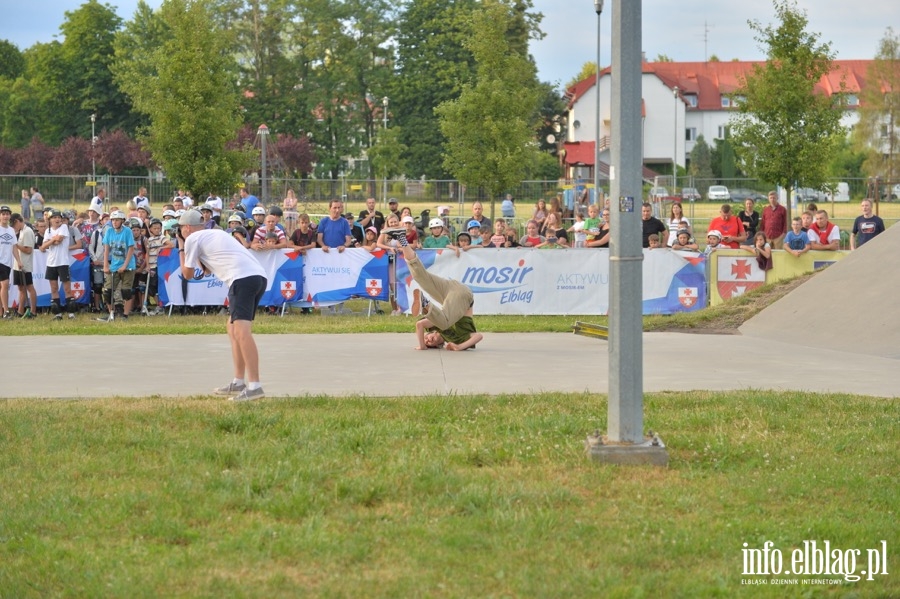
(842, 192)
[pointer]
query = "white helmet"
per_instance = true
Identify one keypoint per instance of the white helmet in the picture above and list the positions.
(259, 210)
(117, 214)
(435, 222)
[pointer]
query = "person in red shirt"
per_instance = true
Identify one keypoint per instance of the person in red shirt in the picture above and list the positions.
(773, 221)
(730, 226)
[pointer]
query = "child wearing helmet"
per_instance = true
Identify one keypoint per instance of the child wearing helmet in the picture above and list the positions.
(155, 242)
(119, 266)
(438, 238)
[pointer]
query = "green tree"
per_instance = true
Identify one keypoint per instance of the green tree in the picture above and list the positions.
(12, 63)
(490, 127)
(190, 95)
(588, 69)
(784, 131)
(847, 162)
(432, 66)
(877, 134)
(135, 48)
(386, 155)
(73, 79)
(701, 164)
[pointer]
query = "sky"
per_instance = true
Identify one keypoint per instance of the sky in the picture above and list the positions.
(688, 30)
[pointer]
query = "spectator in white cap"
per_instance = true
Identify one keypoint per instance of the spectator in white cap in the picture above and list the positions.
(210, 251)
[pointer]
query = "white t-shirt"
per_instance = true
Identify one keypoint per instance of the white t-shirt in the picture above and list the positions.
(26, 238)
(141, 201)
(58, 255)
(216, 203)
(224, 255)
(7, 241)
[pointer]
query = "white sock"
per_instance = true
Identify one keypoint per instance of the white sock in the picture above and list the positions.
(254, 386)
(237, 382)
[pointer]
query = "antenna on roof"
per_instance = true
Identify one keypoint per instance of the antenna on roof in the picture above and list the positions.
(705, 41)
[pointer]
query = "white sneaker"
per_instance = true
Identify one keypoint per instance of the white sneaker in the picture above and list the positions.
(144, 311)
(71, 316)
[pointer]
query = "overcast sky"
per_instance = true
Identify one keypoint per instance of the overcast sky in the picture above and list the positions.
(687, 30)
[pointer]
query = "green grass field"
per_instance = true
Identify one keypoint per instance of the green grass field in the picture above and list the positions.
(471, 496)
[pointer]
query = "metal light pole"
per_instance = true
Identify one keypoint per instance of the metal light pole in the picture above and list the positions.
(262, 132)
(626, 403)
(675, 149)
(598, 8)
(93, 144)
(384, 103)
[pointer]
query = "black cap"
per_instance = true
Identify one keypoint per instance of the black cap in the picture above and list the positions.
(55, 213)
(5, 209)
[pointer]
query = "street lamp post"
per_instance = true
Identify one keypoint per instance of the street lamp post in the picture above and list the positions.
(675, 148)
(93, 143)
(384, 103)
(598, 8)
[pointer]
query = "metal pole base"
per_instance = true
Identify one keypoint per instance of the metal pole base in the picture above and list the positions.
(651, 452)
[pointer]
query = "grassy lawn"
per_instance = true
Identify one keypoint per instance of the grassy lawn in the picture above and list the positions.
(436, 496)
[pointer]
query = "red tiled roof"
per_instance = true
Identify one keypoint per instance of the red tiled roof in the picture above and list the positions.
(710, 80)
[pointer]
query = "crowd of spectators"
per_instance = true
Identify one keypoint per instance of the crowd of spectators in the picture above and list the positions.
(123, 244)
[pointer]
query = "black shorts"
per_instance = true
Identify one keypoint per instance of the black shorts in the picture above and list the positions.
(4, 272)
(243, 297)
(58, 273)
(22, 278)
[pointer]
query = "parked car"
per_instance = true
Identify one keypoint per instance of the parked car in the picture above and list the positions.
(718, 193)
(895, 193)
(808, 194)
(690, 194)
(740, 195)
(658, 192)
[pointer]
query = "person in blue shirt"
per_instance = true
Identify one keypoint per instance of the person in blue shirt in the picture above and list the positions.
(796, 241)
(118, 266)
(248, 201)
(334, 231)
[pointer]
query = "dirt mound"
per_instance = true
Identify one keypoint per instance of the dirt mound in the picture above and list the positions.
(853, 305)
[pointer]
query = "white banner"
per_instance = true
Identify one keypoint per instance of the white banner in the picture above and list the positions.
(561, 281)
(79, 272)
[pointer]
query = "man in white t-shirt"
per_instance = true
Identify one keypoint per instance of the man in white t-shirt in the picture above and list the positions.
(215, 251)
(9, 253)
(215, 202)
(56, 244)
(141, 199)
(23, 267)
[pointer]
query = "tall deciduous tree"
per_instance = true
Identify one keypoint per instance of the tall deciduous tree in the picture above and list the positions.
(432, 66)
(490, 129)
(785, 131)
(189, 93)
(12, 63)
(878, 130)
(73, 78)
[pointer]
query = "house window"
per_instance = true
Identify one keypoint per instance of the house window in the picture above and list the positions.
(690, 134)
(691, 100)
(722, 132)
(852, 100)
(726, 102)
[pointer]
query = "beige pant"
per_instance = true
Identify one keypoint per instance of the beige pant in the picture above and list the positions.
(454, 297)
